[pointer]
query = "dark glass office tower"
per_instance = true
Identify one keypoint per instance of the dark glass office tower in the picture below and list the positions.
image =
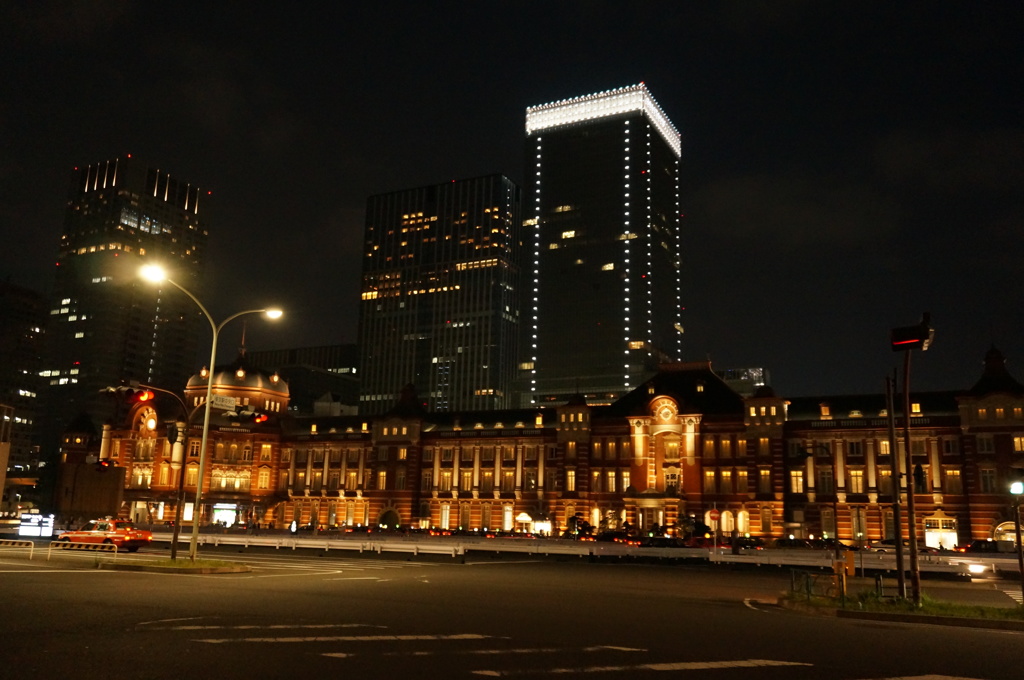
(603, 230)
(105, 324)
(22, 317)
(440, 296)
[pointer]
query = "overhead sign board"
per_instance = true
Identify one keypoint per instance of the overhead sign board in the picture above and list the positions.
(221, 401)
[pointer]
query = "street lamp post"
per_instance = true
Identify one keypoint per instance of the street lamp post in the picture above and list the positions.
(1017, 489)
(156, 274)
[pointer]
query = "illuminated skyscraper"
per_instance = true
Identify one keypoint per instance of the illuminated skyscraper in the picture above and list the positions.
(105, 325)
(440, 296)
(22, 316)
(603, 232)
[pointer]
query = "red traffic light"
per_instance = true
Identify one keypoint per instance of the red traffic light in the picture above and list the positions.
(138, 395)
(912, 337)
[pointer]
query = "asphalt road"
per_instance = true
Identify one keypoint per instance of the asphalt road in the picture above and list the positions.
(363, 616)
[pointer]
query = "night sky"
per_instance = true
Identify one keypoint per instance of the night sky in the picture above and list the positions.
(846, 166)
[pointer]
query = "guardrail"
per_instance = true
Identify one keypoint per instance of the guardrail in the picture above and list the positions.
(953, 564)
(87, 547)
(12, 543)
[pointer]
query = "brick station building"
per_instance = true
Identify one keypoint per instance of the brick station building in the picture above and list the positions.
(665, 455)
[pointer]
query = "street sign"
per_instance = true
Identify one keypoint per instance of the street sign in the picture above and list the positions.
(221, 401)
(713, 515)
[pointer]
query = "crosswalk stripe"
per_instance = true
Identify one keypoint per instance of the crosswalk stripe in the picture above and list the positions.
(350, 638)
(924, 677)
(671, 666)
(282, 626)
(497, 652)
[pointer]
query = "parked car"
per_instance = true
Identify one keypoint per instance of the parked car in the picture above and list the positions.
(617, 537)
(662, 542)
(746, 543)
(704, 542)
(888, 545)
(791, 543)
(119, 532)
(988, 546)
(830, 544)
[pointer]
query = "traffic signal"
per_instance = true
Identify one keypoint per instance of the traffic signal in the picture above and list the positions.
(142, 396)
(912, 337)
(101, 466)
(259, 417)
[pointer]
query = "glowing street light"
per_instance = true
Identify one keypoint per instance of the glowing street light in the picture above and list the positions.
(156, 274)
(1017, 490)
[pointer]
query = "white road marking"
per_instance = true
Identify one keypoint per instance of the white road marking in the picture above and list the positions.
(926, 677)
(280, 626)
(1014, 594)
(672, 666)
(314, 573)
(163, 621)
(351, 638)
(495, 652)
(44, 570)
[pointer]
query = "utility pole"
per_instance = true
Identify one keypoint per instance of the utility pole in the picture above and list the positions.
(897, 478)
(906, 339)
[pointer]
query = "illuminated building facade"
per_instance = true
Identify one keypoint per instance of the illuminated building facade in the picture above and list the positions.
(441, 295)
(603, 232)
(22, 319)
(676, 447)
(105, 325)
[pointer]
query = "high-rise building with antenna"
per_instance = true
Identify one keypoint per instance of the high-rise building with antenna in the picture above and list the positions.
(107, 326)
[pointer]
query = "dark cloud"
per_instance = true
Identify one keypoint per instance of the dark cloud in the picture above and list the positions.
(986, 162)
(61, 23)
(802, 214)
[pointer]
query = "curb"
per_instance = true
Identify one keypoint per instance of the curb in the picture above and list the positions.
(995, 624)
(960, 621)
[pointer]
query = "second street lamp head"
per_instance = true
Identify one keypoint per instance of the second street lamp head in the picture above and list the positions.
(153, 272)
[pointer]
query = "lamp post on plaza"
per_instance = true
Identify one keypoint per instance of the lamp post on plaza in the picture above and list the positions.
(1017, 489)
(156, 274)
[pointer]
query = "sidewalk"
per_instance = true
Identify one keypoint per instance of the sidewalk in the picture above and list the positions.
(981, 592)
(999, 594)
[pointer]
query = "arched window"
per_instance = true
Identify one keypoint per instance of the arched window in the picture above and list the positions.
(743, 522)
